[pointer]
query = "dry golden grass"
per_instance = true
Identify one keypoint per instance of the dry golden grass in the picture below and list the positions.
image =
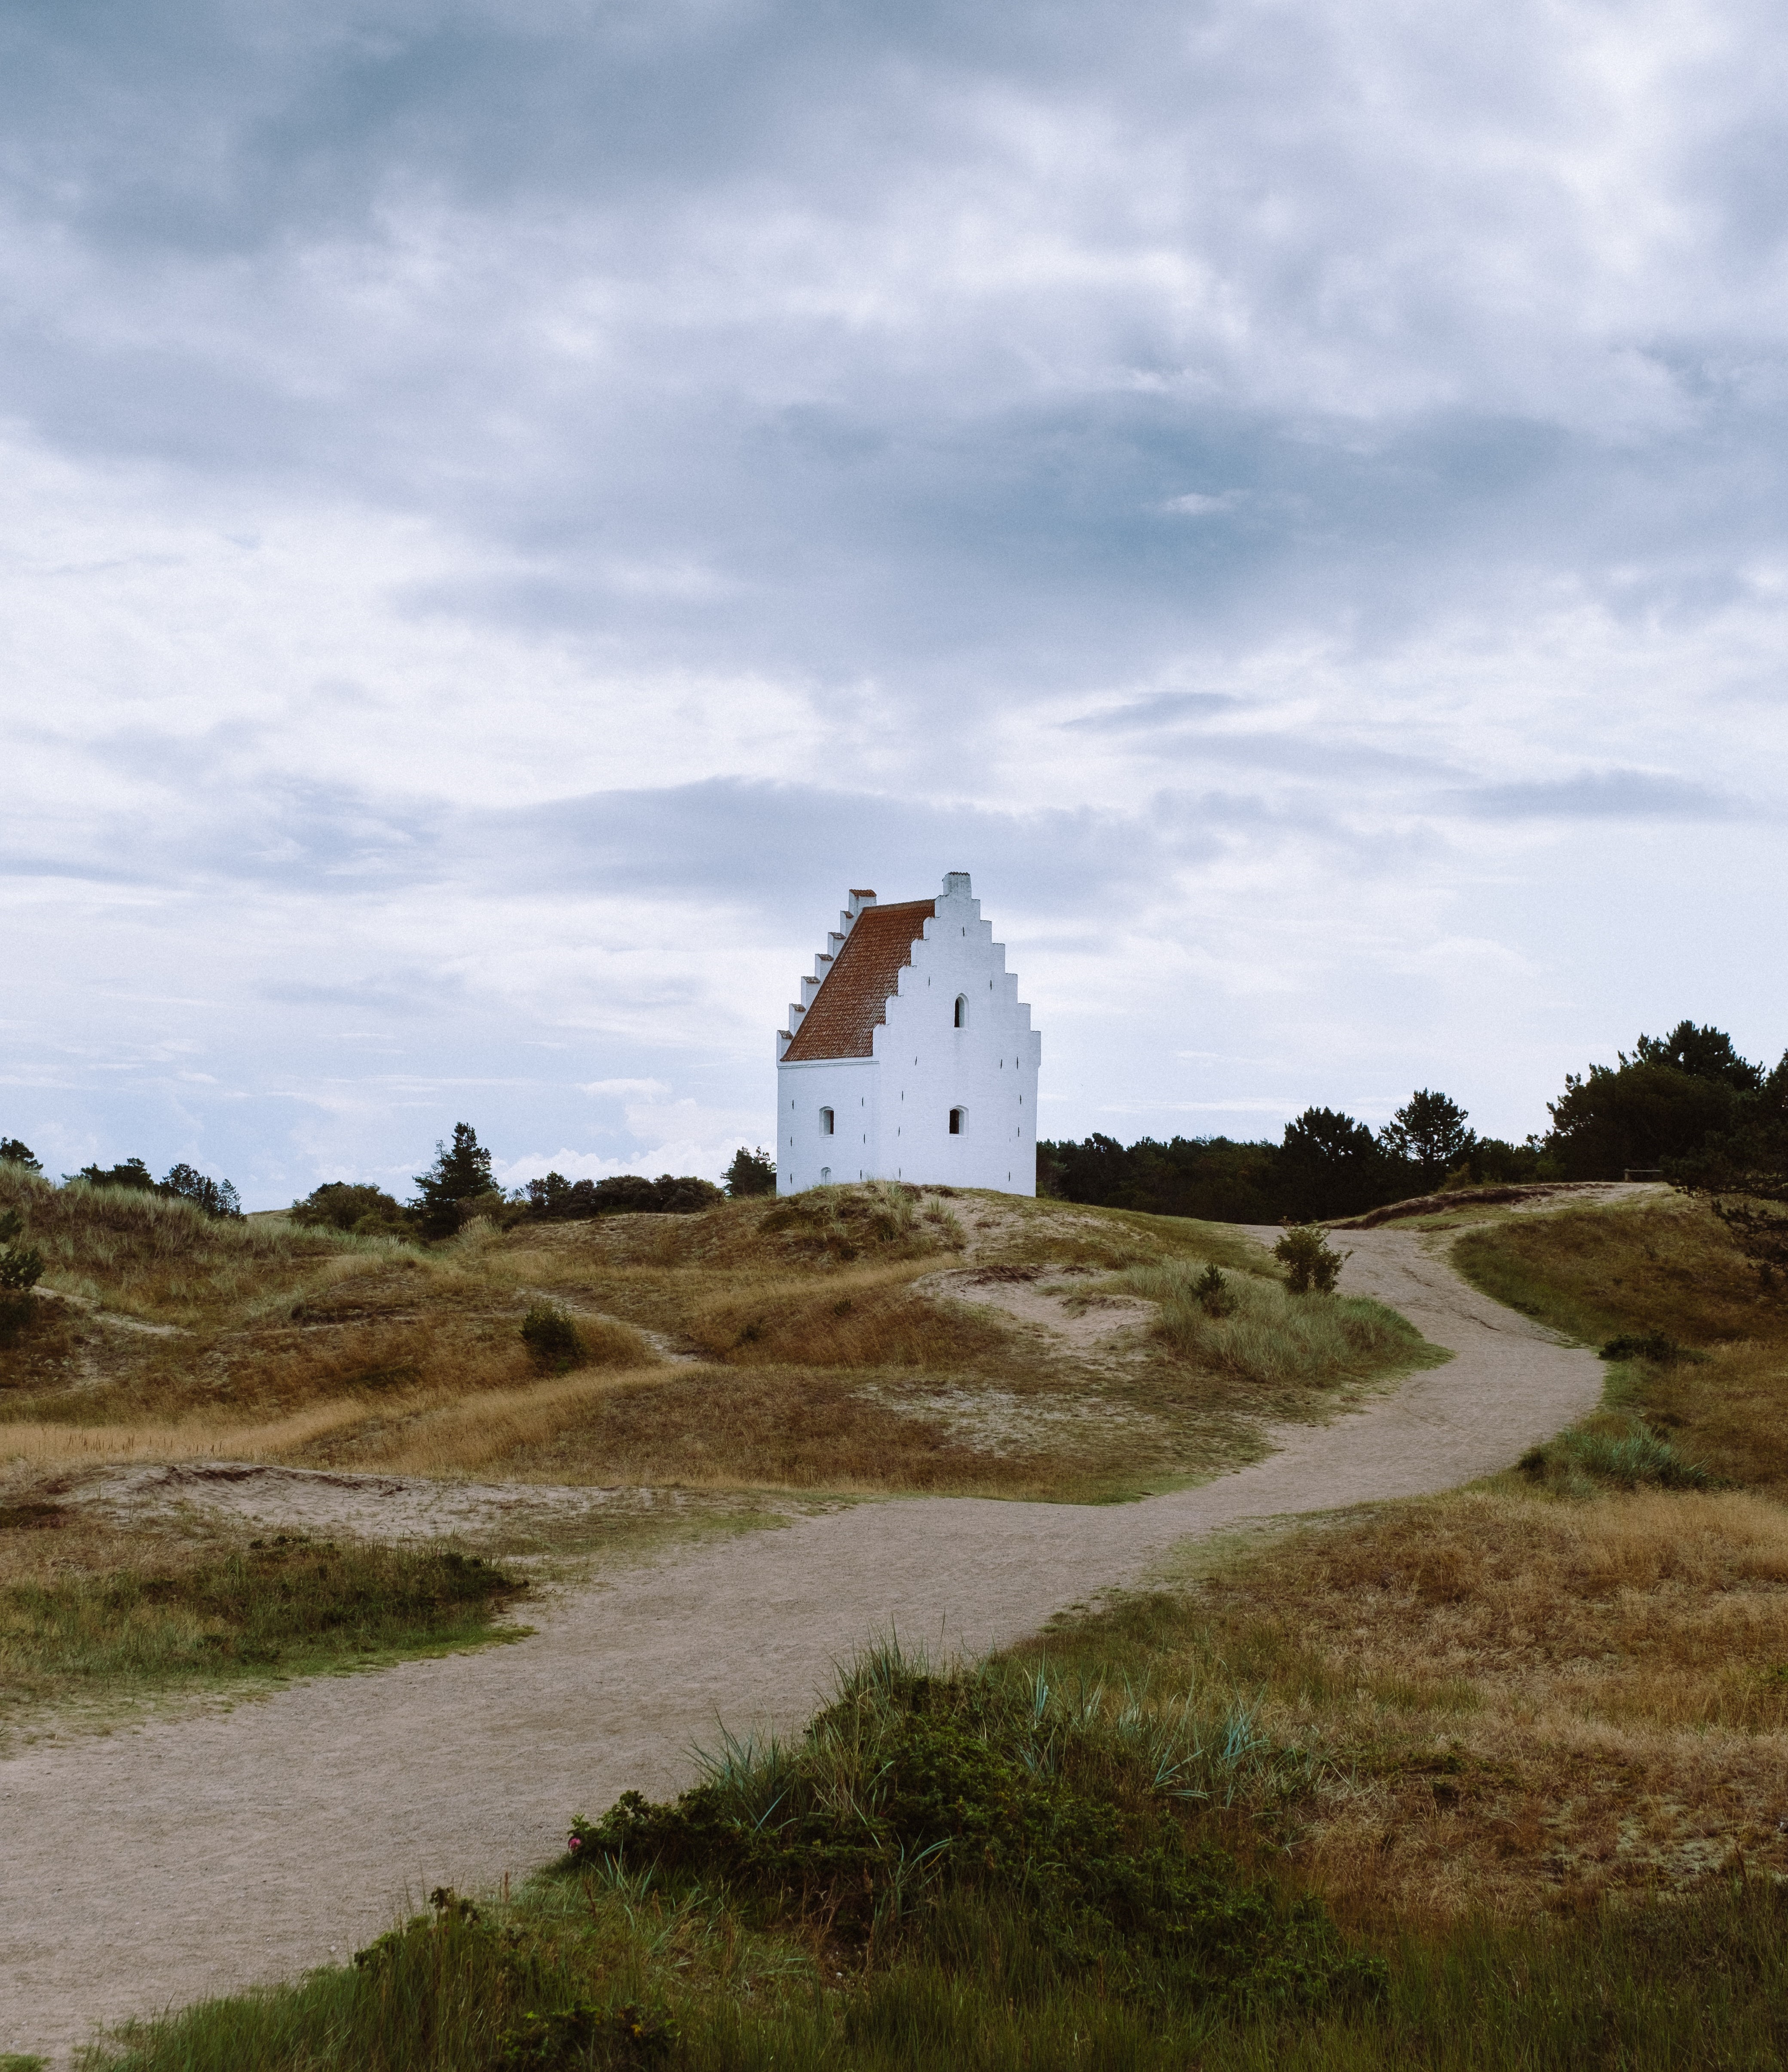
(1729, 1411)
(710, 1427)
(274, 1343)
(1500, 1701)
(44, 1541)
(870, 1317)
(162, 1261)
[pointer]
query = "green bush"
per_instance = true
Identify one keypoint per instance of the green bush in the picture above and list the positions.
(14, 1152)
(590, 2038)
(1312, 1268)
(552, 1336)
(917, 1807)
(1213, 1293)
(352, 1204)
(1653, 1346)
(21, 1269)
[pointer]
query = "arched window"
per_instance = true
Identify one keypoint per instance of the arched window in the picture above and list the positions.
(959, 1117)
(825, 1122)
(962, 1011)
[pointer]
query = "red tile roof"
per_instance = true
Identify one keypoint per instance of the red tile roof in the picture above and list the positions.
(852, 998)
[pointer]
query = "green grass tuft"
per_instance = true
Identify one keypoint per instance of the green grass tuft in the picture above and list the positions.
(1261, 1333)
(289, 1606)
(1602, 1453)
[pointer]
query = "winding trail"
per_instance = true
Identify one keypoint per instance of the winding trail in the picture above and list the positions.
(190, 1857)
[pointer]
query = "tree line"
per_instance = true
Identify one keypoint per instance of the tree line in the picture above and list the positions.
(1685, 1107)
(180, 1183)
(460, 1185)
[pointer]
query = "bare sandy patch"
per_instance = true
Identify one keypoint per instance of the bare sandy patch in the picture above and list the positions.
(1042, 1297)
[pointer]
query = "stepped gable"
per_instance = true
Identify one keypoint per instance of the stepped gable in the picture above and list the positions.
(853, 1000)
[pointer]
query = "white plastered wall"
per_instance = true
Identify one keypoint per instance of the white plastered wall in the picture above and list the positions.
(805, 1156)
(892, 1110)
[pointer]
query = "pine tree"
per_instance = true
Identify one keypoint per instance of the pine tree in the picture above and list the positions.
(751, 1173)
(461, 1173)
(1429, 1131)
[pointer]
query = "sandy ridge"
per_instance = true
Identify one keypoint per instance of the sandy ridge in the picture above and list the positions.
(190, 1857)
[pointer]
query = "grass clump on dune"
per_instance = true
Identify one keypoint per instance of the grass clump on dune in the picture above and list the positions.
(287, 1606)
(1257, 1330)
(882, 1217)
(1612, 1451)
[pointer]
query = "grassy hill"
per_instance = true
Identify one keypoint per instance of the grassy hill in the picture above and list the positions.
(864, 1339)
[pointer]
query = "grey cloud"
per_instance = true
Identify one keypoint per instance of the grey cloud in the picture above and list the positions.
(925, 493)
(1163, 709)
(1602, 795)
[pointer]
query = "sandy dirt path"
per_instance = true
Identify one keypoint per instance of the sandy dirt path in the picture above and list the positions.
(188, 1856)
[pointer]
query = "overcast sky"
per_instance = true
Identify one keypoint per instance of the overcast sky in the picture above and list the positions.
(510, 509)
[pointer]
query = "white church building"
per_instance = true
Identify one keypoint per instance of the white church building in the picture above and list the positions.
(909, 1055)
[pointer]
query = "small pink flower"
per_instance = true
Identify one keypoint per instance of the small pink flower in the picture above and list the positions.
(575, 1843)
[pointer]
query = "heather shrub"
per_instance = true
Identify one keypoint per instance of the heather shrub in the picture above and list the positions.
(551, 1336)
(21, 1269)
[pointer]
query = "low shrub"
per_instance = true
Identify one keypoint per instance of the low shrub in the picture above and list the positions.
(356, 1206)
(554, 1340)
(586, 2034)
(1312, 1267)
(886, 1218)
(21, 1269)
(1660, 1349)
(918, 1806)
